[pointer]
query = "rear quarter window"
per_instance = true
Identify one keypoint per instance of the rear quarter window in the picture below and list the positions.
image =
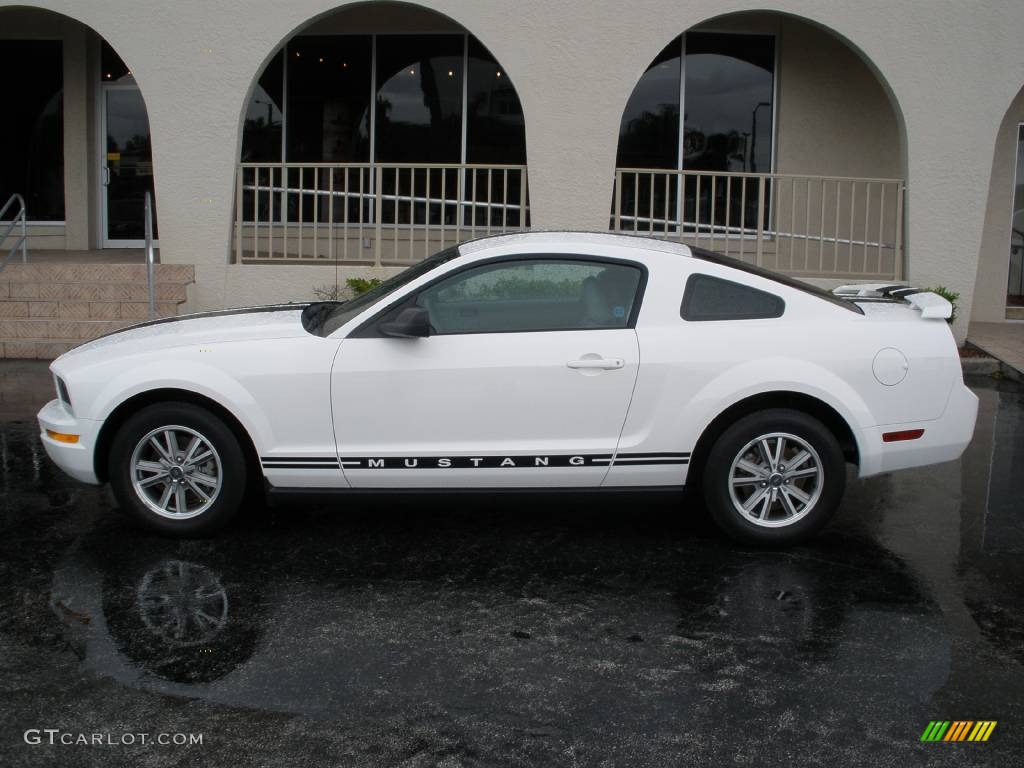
(712, 298)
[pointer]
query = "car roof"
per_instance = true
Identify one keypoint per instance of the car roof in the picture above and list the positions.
(559, 237)
(554, 238)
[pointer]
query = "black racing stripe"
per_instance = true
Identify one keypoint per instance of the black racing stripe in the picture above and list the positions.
(292, 465)
(212, 313)
(302, 459)
(649, 454)
(648, 462)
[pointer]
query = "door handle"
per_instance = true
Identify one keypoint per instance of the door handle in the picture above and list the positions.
(106, 175)
(599, 363)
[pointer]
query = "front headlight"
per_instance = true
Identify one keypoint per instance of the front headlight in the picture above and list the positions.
(62, 393)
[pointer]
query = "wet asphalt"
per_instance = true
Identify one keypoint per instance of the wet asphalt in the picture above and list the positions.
(490, 630)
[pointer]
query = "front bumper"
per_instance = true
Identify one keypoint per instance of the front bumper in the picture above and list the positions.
(76, 459)
(944, 438)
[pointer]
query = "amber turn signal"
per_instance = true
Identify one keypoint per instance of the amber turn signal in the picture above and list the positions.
(60, 437)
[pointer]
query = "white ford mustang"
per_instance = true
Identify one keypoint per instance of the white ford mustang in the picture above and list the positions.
(538, 360)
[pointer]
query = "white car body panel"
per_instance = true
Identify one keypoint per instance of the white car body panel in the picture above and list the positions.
(516, 400)
(318, 409)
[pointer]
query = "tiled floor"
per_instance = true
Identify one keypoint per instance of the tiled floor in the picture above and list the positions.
(1004, 341)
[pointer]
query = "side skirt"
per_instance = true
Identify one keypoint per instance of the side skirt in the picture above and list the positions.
(275, 493)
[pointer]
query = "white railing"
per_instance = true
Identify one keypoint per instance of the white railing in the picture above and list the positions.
(379, 213)
(147, 213)
(810, 226)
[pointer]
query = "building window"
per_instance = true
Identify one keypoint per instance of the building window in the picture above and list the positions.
(261, 132)
(328, 99)
(32, 131)
(495, 129)
(413, 94)
(402, 99)
(723, 85)
(419, 98)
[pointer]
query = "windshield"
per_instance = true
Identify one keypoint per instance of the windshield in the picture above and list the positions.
(345, 311)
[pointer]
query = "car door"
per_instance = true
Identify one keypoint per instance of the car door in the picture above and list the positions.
(524, 380)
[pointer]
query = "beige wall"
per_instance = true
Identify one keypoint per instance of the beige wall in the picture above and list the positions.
(951, 67)
(834, 118)
(994, 258)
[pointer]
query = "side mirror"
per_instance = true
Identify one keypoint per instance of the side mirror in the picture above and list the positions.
(411, 323)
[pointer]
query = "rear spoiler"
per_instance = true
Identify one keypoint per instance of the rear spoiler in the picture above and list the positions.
(929, 304)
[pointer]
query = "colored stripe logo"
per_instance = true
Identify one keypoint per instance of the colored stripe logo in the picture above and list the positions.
(958, 730)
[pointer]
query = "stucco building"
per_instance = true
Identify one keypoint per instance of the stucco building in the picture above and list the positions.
(292, 145)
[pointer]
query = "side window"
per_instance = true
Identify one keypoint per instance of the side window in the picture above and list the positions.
(543, 294)
(711, 298)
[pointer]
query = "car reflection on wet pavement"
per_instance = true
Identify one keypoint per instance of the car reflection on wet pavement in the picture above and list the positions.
(615, 629)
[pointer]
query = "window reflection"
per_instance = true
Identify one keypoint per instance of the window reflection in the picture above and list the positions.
(728, 93)
(32, 129)
(319, 94)
(728, 120)
(649, 132)
(418, 120)
(261, 133)
(329, 99)
(419, 98)
(495, 129)
(495, 134)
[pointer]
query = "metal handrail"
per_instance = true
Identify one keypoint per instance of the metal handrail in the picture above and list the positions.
(149, 255)
(21, 218)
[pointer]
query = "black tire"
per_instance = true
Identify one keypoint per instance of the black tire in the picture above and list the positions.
(200, 518)
(824, 490)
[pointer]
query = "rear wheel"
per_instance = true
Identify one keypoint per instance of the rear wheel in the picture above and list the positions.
(774, 477)
(177, 469)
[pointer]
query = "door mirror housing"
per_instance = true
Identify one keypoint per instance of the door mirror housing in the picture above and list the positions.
(410, 323)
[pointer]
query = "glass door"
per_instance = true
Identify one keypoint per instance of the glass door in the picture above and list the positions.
(127, 164)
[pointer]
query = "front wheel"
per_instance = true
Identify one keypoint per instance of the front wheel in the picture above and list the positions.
(774, 477)
(177, 469)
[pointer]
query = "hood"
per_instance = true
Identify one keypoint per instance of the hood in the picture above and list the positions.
(203, 328)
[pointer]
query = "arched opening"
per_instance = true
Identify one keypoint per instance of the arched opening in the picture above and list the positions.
(766, 137)
(75, 134)
(378, 134)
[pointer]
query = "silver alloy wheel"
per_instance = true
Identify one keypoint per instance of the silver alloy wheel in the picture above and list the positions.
(176, 472)
(776, 480)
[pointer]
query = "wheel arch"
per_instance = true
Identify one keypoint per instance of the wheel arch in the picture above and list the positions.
(796, 401)
(133, 404)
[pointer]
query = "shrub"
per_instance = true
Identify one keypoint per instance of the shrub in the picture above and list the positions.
(948, 295)
(355, 285)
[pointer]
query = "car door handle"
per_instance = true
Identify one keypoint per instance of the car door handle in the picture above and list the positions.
(601, 363)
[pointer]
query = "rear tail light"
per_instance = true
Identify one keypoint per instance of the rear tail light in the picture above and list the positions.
(906, 434)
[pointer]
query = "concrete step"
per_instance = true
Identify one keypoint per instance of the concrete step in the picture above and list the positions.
(130, 292)
(75, 331)
(182, 274)
(83, 310)
(48, 308)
